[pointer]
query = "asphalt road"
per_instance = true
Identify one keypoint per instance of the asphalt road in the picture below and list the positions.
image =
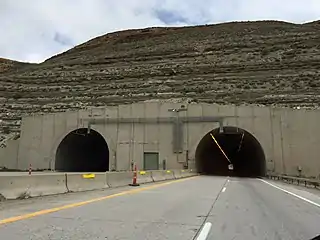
(237, 209)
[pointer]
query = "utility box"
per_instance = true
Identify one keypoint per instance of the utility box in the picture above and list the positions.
(151, 161)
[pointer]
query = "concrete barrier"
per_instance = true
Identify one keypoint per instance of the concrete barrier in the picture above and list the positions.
(158, 175)
(168, 174)
(177, 174)
(188, 173)
(161, 175)
(119, 179)
(184, 173)
(24, 186)
(77, 182)
(144, 177)
(193, 172)
(20, 187)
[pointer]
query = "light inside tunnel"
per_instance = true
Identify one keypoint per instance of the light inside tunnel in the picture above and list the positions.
(82, 151)
(242, 148)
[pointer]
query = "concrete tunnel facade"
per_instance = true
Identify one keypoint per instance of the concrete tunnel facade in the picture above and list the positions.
(134, 132)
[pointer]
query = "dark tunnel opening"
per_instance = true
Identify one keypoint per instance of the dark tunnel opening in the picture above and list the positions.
(242, 148)
(82, 151)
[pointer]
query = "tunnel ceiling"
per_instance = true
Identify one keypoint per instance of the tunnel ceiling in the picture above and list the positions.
(242, 148)
(82, 151)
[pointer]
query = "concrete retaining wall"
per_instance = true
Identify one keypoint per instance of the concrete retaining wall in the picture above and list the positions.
(9, 155)
(20, 187)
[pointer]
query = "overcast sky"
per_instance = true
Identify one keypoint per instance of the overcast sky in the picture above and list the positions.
(33, 30)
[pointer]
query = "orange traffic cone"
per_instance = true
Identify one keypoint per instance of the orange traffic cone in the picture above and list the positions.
(134, 179)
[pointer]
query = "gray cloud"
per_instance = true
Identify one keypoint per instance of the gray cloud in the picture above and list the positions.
(35, 30)
(168, 17)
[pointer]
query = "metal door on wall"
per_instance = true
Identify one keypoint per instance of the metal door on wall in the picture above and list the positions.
(151, 161)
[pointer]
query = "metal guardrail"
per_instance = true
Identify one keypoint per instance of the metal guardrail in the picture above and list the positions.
(295, 180)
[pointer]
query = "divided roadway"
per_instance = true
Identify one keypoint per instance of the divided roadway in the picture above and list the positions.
(238, 208)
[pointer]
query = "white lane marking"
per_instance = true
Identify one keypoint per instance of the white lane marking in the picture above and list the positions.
(204, 231)
(224, 189)
(293, 194)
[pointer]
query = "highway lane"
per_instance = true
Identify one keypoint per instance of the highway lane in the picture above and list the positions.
(252, 209)
(237, 209)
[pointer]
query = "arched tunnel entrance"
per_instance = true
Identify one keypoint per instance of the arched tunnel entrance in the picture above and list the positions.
(240, 147)
(82, 151)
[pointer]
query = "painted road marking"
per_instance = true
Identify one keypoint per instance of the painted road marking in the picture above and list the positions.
(224, 189)
(205, 231)
(293, 194)
(73, 205)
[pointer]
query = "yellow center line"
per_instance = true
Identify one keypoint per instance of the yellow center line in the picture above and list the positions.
(78, 204)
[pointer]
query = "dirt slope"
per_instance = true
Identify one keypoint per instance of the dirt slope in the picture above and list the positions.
(266, 62)
(7, 65)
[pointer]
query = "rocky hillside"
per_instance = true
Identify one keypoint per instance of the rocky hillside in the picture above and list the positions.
(7, 65)
(266, 62)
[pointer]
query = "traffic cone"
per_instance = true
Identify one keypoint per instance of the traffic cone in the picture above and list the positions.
(134, 179)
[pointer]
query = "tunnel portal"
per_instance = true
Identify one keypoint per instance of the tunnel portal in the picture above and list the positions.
(242, 148)
(82, 151)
